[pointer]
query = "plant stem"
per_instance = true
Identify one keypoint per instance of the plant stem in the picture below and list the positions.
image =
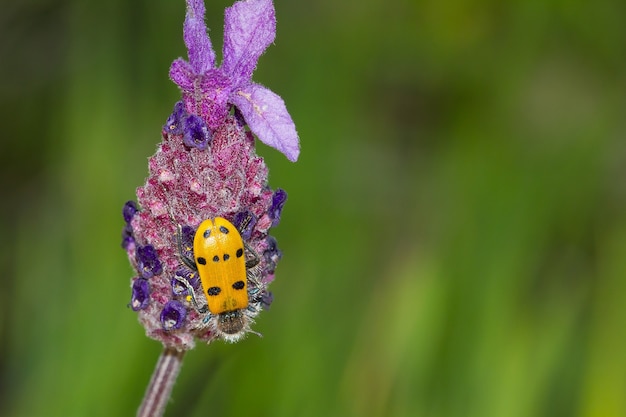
(160, 387)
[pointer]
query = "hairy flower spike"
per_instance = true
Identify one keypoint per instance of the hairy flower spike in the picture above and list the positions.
(208, 91)
(205, 169)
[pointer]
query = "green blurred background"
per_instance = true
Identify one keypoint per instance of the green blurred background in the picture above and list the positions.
(455, 235)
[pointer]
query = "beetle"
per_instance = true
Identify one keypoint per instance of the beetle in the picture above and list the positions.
(219, 257)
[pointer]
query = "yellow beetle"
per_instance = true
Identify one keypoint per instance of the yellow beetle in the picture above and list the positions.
(219, 258)
(218, 251)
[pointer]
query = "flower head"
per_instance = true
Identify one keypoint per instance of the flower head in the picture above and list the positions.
(206, 168)
(209, 91)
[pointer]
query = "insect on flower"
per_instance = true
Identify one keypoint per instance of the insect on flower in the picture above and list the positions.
(220, 260)
(199, 282)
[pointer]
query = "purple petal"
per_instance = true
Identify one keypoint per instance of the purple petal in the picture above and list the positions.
(249, 28)
(278, 201)
(196, 133)
(272, 254)
(148, 262)
(245, 221)
(182, 74)
(173, 315)
(129, 210)
(174, 123)
(140, 297)
(187, 236)
(199, 49)
(127, 236)
(267, 116)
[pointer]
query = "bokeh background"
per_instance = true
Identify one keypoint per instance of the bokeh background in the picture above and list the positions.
(455, 235)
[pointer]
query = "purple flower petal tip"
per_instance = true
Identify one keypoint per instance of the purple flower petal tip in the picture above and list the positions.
(174, 123)
(140, 297)
(200, 51)
(245, 221)
(129, 210)
(278, 201)
(272, 254)
(148, 262)
(187, 235)
(249, 28)
(268, 118)
(127, 236)
(196, 132)
(173, 315)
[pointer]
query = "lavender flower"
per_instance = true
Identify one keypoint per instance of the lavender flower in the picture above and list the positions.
(249, 28)
(141, 294)
(148, 263)
(206, 167)
(130, 209)
(196, 134)
(278, 201)
(245, 222)
(173, 315)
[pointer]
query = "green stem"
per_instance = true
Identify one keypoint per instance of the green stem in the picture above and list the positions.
(160, 387)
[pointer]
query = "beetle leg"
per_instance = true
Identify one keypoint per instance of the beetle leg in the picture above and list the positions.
(192, 293)
(255, 256)
(207, 318)
(254, 280)
(254, 261)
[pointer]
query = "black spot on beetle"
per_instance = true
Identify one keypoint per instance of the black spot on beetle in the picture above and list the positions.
(239, 285)
(239, 253)
(214, 291)
(207, 233)
(226, 256)
(224, 230)
(216, 258)
(201, 260)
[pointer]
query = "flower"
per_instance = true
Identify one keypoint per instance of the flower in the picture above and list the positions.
(206, 167)
(148, 262)
(208, 91)
(140, 294)
(278, 201)
(245, 222)
(173, 315)
(129, 210)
